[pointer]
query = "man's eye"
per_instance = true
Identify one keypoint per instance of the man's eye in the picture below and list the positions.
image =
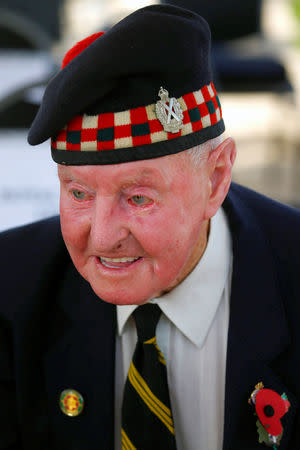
(140, 200)
(78, 195)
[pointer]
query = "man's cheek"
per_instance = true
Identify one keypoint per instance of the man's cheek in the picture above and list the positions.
(164, 238)
(169, 252)
(74, 235)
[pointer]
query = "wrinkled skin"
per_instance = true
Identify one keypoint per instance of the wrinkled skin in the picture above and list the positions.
(157, 210)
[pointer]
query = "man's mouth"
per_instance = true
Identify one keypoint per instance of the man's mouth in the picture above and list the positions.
(118, 263)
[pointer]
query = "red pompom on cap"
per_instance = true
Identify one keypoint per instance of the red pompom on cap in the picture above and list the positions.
(79, 47)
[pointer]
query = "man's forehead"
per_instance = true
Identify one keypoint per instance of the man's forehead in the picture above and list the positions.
(146, 172)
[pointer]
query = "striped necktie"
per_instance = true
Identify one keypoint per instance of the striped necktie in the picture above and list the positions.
(147, 421)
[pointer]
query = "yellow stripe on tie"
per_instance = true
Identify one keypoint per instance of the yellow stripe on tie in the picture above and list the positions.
(148, 391)
(153, 403)
(151, 341)
(126, 442)
(162, 360)
(124, 445)
(161, 357)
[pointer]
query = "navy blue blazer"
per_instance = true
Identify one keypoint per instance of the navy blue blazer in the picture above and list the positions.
(55, 333)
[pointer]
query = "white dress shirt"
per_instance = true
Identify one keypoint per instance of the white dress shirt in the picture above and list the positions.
(192, 335)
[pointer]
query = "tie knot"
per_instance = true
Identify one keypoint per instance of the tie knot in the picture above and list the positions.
(146, 318)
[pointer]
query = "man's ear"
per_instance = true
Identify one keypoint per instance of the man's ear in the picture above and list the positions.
(220, 162)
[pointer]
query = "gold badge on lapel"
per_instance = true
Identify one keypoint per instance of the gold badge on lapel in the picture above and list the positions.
(270, 407)
(71, 402)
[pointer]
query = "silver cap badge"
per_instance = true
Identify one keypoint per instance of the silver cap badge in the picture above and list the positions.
(169, 112)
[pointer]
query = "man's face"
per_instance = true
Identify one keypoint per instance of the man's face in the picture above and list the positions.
(134, 229)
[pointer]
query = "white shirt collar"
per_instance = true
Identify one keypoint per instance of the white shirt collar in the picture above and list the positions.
(192, 305)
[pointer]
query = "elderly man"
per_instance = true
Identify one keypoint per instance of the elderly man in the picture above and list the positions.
(163, 310)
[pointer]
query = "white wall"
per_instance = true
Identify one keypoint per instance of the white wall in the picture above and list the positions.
(29, 188)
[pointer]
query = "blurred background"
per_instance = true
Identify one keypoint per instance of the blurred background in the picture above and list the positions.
(256, 63)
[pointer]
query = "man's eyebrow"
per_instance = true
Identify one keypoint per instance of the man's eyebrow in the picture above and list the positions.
(147, 177)
(66, 173)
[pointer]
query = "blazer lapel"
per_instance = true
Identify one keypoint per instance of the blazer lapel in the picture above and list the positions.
(80, 356)
(258, 331)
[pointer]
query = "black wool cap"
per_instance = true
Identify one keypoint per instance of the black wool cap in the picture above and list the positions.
(141, 90)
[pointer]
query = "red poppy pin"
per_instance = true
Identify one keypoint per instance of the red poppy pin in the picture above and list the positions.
(270, 407)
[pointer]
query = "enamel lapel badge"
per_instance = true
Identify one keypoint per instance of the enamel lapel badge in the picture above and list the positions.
(270, 407)
(169, 112)
(71, 402)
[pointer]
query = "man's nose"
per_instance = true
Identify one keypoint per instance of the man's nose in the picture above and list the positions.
(109, 227)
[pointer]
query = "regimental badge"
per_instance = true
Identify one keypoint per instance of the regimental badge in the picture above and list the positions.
(169, 112)
(71, 402)
(270, 407)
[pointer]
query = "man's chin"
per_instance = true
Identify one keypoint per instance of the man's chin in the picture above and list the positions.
(119, 297)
